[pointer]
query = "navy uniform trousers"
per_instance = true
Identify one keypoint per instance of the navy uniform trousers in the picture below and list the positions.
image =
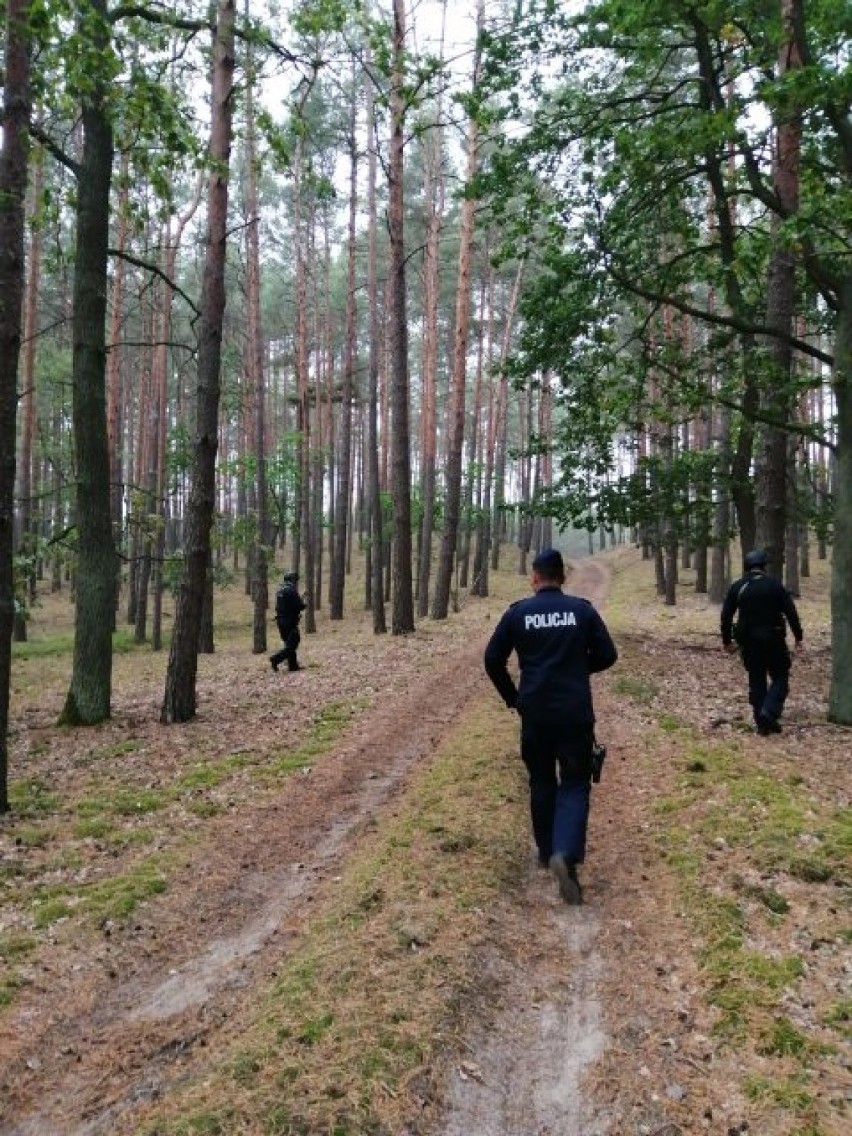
(559, 763)
(767, 662)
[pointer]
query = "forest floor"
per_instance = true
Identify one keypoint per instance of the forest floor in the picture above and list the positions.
(316, 908)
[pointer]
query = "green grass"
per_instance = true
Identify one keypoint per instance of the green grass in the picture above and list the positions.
(325, 729)
(641, 690)
(60, 643)
(790, 1093)
(16, 945)
(110, 899)
(31, 797)
(839, 1017)
(360, 1004)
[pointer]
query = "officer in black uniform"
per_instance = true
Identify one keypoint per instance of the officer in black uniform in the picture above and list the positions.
(289, 606)
(764, 609)
(560, 640)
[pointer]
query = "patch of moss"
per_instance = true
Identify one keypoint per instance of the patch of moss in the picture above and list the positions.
(16, 945)
(641, 690)
(201, 777)
(790, 1093)
(115, 750)
(326, 727)
(839, 1017)
(51, 910)
(118, 897)
(33, 837)
(782, 1039)
(130, 802)
(31, 798)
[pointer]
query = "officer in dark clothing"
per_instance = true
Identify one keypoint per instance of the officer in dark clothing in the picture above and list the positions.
(560, 640)
(764, 609)
(289, 606)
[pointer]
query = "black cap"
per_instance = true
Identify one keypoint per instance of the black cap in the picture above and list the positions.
(290, 577)
(757, 558)
(548, 564)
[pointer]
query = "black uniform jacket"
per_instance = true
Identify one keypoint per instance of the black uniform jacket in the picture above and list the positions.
(289, 606)
(763, 604)
(560, 640)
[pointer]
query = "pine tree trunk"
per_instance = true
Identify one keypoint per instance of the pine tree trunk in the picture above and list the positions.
(179, 704)
(26, 479)
(402, 619)
(344, 488)
(434, 194)
(13, 187)
(455, 443)
(771, 474)
(376, 564)
(255, 374)
(840, 692)
(88, 699)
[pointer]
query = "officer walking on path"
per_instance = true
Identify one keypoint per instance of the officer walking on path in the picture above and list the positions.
(289, 606)
(764, 609)
(560, 640)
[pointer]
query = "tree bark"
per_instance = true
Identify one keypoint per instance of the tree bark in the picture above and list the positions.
(771, 475)
(255, 373)
(376, 565)
(26, 479)
(344, 487)
(434, 193)
(179, 704)
(88, 700)
(402, 617)
(13, 186)
(455, 444)
(840, 692)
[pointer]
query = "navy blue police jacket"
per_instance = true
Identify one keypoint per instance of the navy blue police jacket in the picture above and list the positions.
(560, 640)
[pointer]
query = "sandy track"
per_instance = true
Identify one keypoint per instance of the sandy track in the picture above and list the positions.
(541, 1025)
(93, 1044)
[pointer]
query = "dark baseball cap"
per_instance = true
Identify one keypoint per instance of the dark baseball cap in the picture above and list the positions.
(291, 577)
(548, 563)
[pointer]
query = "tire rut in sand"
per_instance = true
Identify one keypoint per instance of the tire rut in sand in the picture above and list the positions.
(96, 1046)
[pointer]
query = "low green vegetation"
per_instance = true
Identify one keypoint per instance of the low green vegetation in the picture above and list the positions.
(360, 1004)
(113, 898)
(326, 728)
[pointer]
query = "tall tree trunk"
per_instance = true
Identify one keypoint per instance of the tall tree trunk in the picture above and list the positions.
(255, 371)
(171, 245)
(179, 703)
(402, 619)
(840, 692)
(376, 581)
(771, 475)
(13, 188)
(480, 584)
(26, 479)
(115, 400)
(473, 485)
(344, 490)
(455, 443)
(88, 699)
(434, 193)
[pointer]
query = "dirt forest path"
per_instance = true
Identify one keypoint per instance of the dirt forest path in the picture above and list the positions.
(541, 1025)
(108, 1033)
(589, 1021)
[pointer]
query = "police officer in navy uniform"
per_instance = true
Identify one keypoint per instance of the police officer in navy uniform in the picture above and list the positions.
(289, 606)
(560, 640)
(764, 609)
